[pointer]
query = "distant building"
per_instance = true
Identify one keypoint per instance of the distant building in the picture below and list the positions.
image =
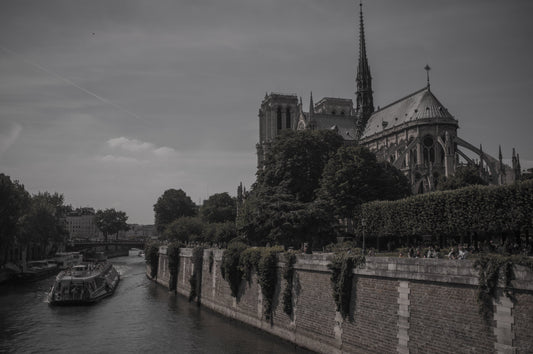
(416, 134)
(139, 232)
(81, 224)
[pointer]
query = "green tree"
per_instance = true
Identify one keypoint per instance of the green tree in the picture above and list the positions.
(219, 208)
(353, 176)
(296, 159)
(172, 205)
(43, 225)
(185, 229)
(272, 215)
(220, 232)
(14, 202)
(111, 221)
(464, 176)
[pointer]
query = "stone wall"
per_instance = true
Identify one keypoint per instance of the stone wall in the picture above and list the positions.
(398, 305)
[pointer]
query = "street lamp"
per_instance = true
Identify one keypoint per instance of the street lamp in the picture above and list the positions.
(363, 224)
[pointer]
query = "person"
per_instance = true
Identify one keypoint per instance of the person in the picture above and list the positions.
(462, 253)
(452, 254)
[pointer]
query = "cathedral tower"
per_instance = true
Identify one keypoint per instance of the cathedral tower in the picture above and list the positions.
(278, 112)
(365, 102)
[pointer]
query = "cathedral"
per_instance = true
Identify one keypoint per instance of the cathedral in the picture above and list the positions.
(416, 133)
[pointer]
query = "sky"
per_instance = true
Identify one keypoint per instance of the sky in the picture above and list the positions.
(112, 102)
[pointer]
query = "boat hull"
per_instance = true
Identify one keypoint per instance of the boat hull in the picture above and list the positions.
(88, 286)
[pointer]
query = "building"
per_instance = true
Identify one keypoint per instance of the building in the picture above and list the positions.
(81, 224)
(416, 133)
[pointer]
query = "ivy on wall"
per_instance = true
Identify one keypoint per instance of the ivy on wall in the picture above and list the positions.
(173, 253)
(151, 251)
(196, 277)
(342, 267)
(230, 268)
(288, 275)
(211, 261)
(491, 269)
(238, 263)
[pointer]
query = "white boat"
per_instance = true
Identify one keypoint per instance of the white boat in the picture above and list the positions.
(84, 284)
(135, 252)
(65, 260)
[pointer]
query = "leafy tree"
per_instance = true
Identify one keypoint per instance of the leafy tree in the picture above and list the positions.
(43, 224)
(353, 176)
(219, 208)
(172, 205)
(221, 232)
(272, 215)
(185, 229)
(295, 161)
(14, 202)
(464, 176)
(111, 221)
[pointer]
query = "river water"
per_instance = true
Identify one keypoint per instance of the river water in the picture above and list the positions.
(140, 317)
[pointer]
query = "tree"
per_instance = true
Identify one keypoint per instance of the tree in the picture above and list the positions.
(219, 208)
(185, 229)
(464, 176)
(272, 215)
(172, 205)
(43, 225)
(111, 221)
(14, 202)
(296, 159)
(353, 176)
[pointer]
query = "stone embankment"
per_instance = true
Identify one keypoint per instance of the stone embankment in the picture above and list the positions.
(398, 305)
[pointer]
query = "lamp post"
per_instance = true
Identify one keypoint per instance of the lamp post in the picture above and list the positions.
(363, 224)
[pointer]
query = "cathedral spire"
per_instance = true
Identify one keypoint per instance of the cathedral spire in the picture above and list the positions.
(311, 106)
(365, 102)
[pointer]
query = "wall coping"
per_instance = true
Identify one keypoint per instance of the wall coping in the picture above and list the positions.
(418, 269)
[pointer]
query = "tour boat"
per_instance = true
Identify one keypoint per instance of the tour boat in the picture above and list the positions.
(84, 284)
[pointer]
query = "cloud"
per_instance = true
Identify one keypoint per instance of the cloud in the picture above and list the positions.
(8, 138)
(130, 145)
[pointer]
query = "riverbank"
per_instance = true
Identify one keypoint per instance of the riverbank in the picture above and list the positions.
(396, 304)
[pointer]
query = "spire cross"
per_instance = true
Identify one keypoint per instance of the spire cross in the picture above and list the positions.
(427, 68)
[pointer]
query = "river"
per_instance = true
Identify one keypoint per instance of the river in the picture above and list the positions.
(140, 317)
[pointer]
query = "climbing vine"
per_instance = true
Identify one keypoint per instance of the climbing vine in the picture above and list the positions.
(267, 276)
(248, 261)
(341, 268)
(288, 275)
(196, 277)
(230, 268)
(490, 268)
(211, 261)
(173, 253)
(151, 252)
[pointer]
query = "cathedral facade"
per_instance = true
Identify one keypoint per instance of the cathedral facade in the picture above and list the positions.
(416, 133)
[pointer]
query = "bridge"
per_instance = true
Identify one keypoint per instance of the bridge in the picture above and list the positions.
(116, 247)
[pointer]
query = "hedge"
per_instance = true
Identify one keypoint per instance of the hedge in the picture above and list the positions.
(479, 209)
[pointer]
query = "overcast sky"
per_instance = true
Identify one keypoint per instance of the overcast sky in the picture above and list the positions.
(111, 102)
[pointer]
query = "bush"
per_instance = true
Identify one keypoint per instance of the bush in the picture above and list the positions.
(476, 209)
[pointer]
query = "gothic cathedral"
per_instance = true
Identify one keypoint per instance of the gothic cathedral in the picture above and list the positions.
(416, 133)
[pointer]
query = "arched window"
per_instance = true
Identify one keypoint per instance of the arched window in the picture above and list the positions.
(288, 118)
(278, 116)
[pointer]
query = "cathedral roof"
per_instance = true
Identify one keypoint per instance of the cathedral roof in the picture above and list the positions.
(421, 104)
(344, 125)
